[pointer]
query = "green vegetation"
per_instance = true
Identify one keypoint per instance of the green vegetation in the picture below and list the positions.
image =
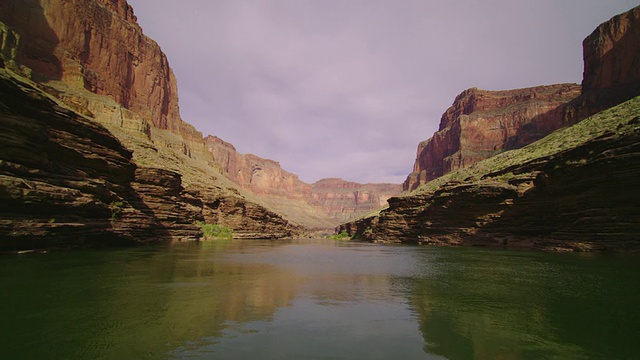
(342, 236)
(215, 231)
(116, 209)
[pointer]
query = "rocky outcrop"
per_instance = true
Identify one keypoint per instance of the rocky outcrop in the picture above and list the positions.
(483, 123)
(611, 75)
(249, 220)
(573, 190)
(343, 200)
(92, 57)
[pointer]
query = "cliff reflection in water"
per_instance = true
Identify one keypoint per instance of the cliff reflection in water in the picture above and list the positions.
(143, 302)
(317, 299)
(512, 305)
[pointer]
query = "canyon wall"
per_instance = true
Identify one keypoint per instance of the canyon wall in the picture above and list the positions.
(260, 176)
(483, 123)
(575, 189)
(89, 61)
(611, 55)
(67, 181)
(97, 45)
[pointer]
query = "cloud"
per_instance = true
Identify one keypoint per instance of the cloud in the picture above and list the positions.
(348, 88)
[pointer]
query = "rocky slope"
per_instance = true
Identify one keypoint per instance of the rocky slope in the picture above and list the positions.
(572, 190)
(483, 123)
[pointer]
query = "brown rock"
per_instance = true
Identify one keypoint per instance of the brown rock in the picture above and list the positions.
(611, 75)
(260, 176)
(582, 198)
(97, 45)
(343, 200)
(483, 123)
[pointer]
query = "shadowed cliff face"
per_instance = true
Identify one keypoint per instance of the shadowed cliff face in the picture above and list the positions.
(483, 123)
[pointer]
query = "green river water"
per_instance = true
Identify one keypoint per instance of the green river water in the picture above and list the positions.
(318, 299)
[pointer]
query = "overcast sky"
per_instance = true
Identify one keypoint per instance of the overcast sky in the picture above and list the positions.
(347, 88)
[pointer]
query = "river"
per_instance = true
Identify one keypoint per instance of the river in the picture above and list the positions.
(318, 299)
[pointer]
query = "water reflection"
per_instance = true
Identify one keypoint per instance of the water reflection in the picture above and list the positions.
(315, 299)
(510, 305)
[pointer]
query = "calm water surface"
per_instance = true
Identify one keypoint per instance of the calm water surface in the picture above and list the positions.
(319, 299)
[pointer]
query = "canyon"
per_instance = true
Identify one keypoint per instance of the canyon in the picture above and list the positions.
(571, 190)
(87, 63)
(95, 152)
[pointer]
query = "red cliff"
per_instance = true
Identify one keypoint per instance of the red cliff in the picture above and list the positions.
(97, 45)
(611, 75)
(483, 123)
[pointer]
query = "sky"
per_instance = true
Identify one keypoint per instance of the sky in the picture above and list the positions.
(348, 88)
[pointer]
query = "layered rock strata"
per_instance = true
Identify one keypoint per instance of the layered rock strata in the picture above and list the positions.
(344, 200)
(483, 123)
(574, 190)
(66, 181)
(93, 57)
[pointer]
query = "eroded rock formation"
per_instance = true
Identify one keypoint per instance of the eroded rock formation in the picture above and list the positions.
(483, 123)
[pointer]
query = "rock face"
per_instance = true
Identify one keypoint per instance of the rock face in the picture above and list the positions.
(93, 59)
(101, 48)
(574, 190)
(260, 176)
(483, 123)
(611, 75)
(66, 181)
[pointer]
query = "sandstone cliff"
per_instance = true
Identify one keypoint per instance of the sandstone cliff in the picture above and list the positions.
(97, 45)
(260, 176)
(611, 55)
(483, 123)
(66, 181)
